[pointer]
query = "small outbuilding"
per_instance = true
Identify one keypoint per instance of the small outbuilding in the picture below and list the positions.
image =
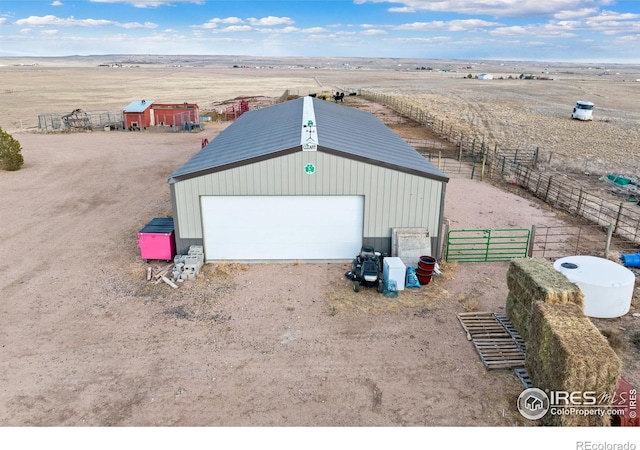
(305, 179)
(485, 76)
(143, 114)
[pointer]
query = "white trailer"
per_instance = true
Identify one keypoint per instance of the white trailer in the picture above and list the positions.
(583, 110)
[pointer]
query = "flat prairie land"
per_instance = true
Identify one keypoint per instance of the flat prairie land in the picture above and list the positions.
(85, 340)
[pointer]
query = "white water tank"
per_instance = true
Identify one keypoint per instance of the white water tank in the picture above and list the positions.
(607, 286)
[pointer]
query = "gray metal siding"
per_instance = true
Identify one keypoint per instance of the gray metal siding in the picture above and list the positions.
(182, 244)
(392, 198)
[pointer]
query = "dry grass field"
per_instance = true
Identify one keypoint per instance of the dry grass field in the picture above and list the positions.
(86, 341)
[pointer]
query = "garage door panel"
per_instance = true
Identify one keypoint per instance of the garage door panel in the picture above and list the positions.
(282, 227)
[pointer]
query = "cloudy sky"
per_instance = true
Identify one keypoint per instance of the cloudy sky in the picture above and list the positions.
(543, 30)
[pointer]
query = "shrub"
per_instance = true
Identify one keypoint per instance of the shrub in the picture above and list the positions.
(10, 156)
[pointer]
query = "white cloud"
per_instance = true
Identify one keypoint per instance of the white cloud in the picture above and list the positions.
(56, 3)
(549, 30)
(285, 30)
(469, 25)
(583, 12)
(147, 25)
(496, 8)
(49, 32)
(3, 20)
(402, 9)
(425, 40)
(511, 31)
(148, 3)
(373, 32)
(236, 29)
(610, 16)
(313, 30)
(631, 39)
(452, 25)
(51, 20)
(270, 21)
(213, 23)
(71, 21)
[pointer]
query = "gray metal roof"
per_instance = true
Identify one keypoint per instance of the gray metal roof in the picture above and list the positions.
(277, 130)
(138, 106)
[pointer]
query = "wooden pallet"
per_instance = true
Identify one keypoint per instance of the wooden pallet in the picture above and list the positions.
(506, 323)
(494, 338)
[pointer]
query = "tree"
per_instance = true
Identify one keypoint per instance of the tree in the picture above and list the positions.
(10, 152)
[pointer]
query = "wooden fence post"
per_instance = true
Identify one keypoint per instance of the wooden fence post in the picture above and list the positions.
(615, 227)
(580, 200)
(607, 246)
(546, 194)
(444, 243)
(484, 162)
(532, 237)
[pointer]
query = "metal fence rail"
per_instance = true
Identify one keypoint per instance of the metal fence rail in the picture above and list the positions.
(487, 245)
(559, 241)
(623, 214)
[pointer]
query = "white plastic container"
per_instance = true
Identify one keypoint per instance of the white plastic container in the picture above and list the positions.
(607, 286)
(394, 269)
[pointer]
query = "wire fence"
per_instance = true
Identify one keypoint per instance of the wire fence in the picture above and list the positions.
(98, 120)
(621, 215)
(465, 143)
(471, 155)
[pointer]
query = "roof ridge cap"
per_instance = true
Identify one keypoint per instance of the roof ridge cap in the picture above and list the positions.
(309, 134)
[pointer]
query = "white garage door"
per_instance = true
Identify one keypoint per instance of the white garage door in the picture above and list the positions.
(284, 227)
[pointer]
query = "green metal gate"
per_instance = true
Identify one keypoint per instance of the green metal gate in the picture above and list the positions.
(487, 245)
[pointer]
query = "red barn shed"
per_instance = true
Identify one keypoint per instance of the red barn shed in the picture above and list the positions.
(141, 114)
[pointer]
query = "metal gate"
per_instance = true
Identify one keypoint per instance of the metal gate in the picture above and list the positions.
(487, 245)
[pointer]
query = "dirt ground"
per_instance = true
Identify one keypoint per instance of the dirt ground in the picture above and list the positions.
(87, 341)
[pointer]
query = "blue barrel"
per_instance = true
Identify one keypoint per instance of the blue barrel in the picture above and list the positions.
(631, 260)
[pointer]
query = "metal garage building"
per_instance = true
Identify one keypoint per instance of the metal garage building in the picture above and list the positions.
(305, 179)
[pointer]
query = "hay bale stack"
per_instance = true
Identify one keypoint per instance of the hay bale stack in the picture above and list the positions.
(532, 280)
(566, 352)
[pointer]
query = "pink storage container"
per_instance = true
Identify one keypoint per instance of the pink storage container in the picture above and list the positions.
(157, 240)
